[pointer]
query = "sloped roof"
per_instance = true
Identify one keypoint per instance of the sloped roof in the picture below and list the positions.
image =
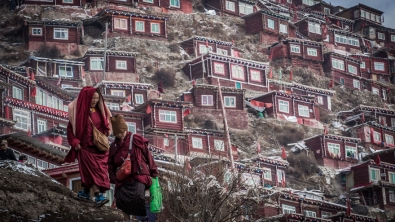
(133, 14)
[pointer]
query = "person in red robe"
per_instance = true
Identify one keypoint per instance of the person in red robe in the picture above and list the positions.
(87, 110)
(130, 193)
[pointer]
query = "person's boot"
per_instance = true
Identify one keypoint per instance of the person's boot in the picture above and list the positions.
(100, 200)
(84, 195)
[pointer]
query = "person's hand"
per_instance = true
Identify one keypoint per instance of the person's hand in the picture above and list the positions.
(77, 148)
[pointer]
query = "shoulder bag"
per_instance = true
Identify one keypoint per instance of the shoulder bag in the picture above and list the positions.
(99, 139)
(125, 169)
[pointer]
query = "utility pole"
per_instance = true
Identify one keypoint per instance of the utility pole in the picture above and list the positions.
(226, 129)
(105, 54)
(175, 147)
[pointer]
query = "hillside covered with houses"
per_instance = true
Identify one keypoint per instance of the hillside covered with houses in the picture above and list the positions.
(296, 97)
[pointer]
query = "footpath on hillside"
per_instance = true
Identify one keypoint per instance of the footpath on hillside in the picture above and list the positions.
(27, 194)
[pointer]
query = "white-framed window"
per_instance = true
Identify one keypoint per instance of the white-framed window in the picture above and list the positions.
(222, 51)
(31, 160)
(245, 8)
(37, 31)
(375, 91)
(68, 1)
(352, 69)
(41, 97)
(283, 106)
(139, 26)
(270, 23)
(356, 84)
(22, 119)
(310, 213)
(113, 106)
(219, 68)
(327, 10)
(280, 176)
(380, 35)
(197, 143)
(314, 28)
(65, 108)
(120, 23)
(139, 98)
(255, 75)
(117, 92)
(155, 28)
(289, 1)
(374, 174)
(66, 71)
(303, 111)
(392, 122)
(41, 125)
(346, 40)
(149, 1)
(230, 6)
(320, 100)
(203, 49)
(267, 174)
(295, 48)
(379, 66)
(377, 136)
(131, 127)
(165, 141)
(60, 33)
(286, 208)
(367, 15)
(120, 64)
(42, 164)
(389, 139)
(351, 152)
(327, 38)
(391, 177)
(175, 3)
(391, 194)
(167, 116)
(363, 13)
(219, 145)
(311, 52)
(230, 101)
(96, 63)
(64, 86)
(283, 28)
(52, 166)
(384, 94)
(325, 214)
(207, 100)
(338, 64)
(17, 93)
(363, 65)
(334, 149)
(237, 72)
(392, 38)
(309, 2)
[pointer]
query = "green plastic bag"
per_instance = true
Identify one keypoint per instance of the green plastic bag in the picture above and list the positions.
(156, 196)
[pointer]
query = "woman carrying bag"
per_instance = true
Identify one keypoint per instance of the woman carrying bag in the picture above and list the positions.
(130, 191)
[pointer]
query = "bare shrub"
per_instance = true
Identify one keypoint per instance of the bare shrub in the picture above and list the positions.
(289, 134)
(209, 124)
(149, 68)
(49, 51)
(188, 32)
(171, 36)
(324, 114)
(302, 165)
(174, 48)
(165, 75)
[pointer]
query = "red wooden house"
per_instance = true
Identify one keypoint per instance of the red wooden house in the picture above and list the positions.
(343, 70)
(66, 35)
(269, 25)
(231, 7)
(165, 6)
(374, 181)
(361, 114)
(312, 28)
(128, 24)
(55, 2)
(163, 120)
(338, 39)
(136, 93)
(374, 68)
(230, 71)
(334, 151)
(321, 96)
(374, 135)
(69, 72)
(203, 143)
(205, 99)
(198, 46)
(300, 53)
(362, 15)
(289, 107)
(119, 66)
(322, 7)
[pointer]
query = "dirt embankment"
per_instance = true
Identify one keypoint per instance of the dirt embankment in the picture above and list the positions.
(27, 194)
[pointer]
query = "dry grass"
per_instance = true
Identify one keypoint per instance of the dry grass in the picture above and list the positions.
(49, 51)
(165, 75)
